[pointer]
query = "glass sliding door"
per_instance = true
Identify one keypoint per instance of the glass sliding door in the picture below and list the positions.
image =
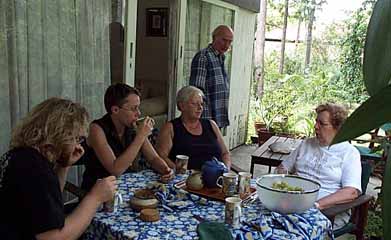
(201, 19)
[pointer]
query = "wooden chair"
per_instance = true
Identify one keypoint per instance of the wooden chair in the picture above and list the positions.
(359, 207)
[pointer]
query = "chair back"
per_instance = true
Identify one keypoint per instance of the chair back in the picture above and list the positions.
(366, 170)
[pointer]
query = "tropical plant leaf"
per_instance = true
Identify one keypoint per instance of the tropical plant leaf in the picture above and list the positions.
(386, 193)
(371, 114)
(377, 53)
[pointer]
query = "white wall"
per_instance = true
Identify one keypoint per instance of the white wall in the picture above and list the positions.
(151, 52)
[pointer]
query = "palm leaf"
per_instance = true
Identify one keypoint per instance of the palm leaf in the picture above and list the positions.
(371, 114)
(377, 53)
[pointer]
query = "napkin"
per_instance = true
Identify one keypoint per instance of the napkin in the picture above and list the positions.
(176, 199)
(290, 226)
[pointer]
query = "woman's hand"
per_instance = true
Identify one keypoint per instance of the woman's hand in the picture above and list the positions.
(77, 153)
(145, 127)
(165, 178)
(104, 189)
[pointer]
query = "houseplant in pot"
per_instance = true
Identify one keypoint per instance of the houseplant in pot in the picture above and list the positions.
(376, 110)
(263, 121)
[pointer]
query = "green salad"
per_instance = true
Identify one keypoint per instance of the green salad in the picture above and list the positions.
(285, 186)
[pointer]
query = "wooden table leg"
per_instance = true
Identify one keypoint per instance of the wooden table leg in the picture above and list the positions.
(252, 167)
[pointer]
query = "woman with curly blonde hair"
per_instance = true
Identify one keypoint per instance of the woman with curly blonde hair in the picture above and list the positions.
(32, 174)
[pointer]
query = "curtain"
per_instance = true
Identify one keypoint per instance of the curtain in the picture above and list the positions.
(52, 48)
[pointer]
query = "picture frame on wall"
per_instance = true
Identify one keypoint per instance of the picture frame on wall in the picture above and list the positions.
(157, 22)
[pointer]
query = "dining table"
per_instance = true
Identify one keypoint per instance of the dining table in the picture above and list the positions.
(181, 212)
(263, 155)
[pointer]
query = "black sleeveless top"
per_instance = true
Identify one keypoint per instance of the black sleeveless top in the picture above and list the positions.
(199, 148)
(94, 168)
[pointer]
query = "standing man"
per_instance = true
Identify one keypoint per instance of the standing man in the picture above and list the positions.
(208, 74)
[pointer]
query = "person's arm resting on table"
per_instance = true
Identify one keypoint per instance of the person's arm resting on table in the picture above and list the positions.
(164, 143)
(157, 162)
(77, 222)
(225, 155)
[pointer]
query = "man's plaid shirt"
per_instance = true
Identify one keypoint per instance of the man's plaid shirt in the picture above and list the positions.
(209, 75)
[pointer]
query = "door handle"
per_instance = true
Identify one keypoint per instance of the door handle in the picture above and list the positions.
(131, 50)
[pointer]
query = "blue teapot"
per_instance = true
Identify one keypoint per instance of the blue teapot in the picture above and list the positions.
(211, 170)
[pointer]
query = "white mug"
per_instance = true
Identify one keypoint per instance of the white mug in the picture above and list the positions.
(244, 183)
(112, 205)
(233, 211)
(229, 184)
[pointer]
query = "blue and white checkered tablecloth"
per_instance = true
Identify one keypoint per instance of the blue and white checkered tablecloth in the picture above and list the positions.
(181, 224)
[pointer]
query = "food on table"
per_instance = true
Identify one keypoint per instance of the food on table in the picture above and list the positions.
(143, 198)
(149, 215)
(281, 185)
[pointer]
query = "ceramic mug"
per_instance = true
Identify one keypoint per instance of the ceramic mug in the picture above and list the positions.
(113, 204)
(181, 162)
(244, 183)
(229, 185)
(233, 211)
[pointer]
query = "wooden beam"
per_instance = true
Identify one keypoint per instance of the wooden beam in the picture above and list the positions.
(252, 5)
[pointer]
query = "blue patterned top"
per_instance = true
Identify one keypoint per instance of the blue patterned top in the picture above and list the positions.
(177, 219)
(208, 74)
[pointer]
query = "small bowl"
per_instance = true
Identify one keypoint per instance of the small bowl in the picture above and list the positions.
(143, 199)
(284, 201)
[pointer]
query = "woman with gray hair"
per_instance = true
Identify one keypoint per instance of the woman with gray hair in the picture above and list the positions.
(336, 167)
(200, 139)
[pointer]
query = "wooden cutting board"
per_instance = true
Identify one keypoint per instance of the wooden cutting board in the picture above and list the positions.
(210, 193)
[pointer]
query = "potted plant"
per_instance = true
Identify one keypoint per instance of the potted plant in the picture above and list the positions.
(263, 122)
(376, 110)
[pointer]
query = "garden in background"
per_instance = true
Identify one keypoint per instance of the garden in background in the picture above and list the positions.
(334, 73)
(325, 65)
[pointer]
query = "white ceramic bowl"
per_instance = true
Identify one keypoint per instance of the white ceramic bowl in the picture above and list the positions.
(284, 201)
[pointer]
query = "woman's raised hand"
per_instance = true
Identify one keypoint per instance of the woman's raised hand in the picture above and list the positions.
(145, 127)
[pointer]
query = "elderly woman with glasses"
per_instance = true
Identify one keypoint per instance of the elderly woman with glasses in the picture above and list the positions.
(118, 143)
(336, 167)
(200, 139)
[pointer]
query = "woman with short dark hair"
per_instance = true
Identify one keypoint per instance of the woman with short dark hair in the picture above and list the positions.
(117, 142)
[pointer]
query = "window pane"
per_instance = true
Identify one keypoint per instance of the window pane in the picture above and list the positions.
(202, 19)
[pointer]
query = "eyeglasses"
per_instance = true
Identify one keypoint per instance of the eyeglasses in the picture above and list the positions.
(197, 104)
(131, 109)
(322, 124)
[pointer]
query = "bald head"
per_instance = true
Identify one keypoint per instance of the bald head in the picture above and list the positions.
(222, 38)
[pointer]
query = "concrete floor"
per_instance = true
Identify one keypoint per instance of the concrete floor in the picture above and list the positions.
(241, 156)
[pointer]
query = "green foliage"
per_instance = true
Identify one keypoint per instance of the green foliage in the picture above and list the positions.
(352, 43)
(377, 76)
(374, 227)
(289, 100)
